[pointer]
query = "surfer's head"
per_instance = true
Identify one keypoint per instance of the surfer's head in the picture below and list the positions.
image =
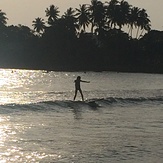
(78, 78)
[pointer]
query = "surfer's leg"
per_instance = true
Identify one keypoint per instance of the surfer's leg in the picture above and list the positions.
(81, 94)
(75, 94)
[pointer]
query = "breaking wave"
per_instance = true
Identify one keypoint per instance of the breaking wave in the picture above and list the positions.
(91, 103)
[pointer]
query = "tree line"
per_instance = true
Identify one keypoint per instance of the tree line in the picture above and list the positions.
(96, 37)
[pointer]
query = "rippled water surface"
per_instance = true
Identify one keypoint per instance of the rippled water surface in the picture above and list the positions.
(120, 121)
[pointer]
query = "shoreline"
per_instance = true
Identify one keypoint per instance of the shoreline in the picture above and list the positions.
(84, 71)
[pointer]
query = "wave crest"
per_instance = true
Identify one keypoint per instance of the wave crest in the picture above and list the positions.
(91, 103)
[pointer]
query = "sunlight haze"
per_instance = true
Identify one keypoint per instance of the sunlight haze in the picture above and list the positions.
(25, 11)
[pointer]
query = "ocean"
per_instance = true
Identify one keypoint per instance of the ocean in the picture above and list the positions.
(120, 121)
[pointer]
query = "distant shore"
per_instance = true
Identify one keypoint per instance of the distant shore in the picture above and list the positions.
(85, 71)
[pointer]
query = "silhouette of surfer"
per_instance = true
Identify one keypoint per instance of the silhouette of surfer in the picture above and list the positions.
(78, 88)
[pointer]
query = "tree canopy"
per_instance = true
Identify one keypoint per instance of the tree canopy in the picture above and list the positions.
(98, 36)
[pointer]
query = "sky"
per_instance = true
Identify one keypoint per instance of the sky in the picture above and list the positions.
(25, 11)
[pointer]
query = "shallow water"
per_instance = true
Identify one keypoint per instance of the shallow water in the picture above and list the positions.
(39, 122)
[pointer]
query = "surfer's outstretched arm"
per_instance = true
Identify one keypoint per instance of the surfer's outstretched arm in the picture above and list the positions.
(85, 81)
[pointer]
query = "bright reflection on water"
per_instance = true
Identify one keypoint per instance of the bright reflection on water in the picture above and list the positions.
(22, 86)
(23, 138)
(30, 86)
(13, 83)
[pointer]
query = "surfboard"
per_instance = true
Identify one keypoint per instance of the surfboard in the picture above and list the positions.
(90, 103)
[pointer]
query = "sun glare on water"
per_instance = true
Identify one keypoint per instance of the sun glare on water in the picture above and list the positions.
(12, 85)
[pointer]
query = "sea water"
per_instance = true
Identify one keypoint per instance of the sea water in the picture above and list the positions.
(120, 121)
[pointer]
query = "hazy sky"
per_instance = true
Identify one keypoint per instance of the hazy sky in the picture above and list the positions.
(25, 11)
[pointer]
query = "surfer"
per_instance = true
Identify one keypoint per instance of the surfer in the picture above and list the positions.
(78, 88)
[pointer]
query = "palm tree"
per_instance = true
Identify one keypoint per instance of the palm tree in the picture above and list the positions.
(117, 13)
(124, 14)
(69, 13)
(113, 12)
(70, 20)
(139, 19)
(3, 18)
(143, 22)
(97, 14)
(133, 18)
(53, 14)
(83, 16)
(39, 25)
